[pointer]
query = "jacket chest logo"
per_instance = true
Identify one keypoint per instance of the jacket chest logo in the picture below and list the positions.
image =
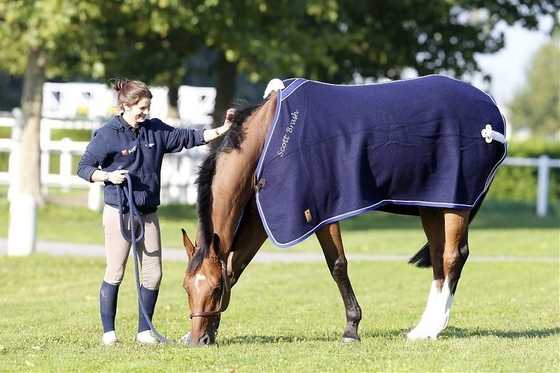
(126, 152)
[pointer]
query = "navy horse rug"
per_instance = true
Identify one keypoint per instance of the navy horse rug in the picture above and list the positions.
(335, 151)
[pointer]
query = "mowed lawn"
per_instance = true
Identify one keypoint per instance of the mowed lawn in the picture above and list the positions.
(290, 317)
(283, 318)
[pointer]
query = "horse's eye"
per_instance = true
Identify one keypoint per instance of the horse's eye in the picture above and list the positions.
(217, 292)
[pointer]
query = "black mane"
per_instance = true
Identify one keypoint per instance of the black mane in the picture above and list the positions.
(205, 176)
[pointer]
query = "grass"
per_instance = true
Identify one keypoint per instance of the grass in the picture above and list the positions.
(289, 317)
(283, 318)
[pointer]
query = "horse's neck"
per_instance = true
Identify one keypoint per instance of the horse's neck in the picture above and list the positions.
(235, 175)
(249, 238)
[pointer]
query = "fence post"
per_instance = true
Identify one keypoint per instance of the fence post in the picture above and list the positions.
(94, 197)
(22, 233)
(44, 140)
(65, 163)
(15, 154)
(23, 207)
(542, 186)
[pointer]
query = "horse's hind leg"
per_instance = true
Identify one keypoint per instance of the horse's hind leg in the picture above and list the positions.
(447, 233)
(331, 242)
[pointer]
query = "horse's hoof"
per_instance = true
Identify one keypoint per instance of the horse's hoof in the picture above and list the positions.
(349, 340)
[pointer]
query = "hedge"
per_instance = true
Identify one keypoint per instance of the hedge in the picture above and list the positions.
(519, 183)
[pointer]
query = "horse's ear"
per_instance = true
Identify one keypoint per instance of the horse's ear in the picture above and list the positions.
(188, 244)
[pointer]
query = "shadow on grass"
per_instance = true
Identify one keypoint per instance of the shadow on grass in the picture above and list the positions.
(331, 337)
(273, 339)
(449, 333)
(453, 332)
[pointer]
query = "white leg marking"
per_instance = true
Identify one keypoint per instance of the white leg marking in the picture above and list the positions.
(197, 279)
(436, 315)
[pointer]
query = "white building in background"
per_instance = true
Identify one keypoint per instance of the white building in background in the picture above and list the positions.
(96, 101)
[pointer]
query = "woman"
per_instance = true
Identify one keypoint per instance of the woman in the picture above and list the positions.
(131, 144)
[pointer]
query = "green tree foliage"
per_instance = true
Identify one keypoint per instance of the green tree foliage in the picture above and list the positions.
(149, 40)
(333, 40)
(41, 39)
(537, 104)
(329, 40)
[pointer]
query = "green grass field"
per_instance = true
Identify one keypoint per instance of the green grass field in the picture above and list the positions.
(283, 318)
(289, 317)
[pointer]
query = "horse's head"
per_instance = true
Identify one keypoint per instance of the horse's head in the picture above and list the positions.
(208, 288)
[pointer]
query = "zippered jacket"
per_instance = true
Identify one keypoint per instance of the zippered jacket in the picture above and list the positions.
(115, 146)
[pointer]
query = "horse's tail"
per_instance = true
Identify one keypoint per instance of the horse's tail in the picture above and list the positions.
(422, 258)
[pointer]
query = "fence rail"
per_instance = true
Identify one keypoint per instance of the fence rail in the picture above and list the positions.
(179, 169)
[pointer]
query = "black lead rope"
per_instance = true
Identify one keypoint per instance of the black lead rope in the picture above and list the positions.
(133, 213)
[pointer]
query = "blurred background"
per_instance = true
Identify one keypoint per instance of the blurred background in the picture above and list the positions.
(209, 53)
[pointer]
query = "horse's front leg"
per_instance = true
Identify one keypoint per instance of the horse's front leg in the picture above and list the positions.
(447, 233)
(331, 242)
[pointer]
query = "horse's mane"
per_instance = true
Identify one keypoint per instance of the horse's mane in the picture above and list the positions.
(205, 176)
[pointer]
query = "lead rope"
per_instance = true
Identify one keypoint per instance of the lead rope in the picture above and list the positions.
(133, 213)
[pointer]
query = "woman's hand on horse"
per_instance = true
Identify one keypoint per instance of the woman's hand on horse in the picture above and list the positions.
(228, 122)
(213, 134)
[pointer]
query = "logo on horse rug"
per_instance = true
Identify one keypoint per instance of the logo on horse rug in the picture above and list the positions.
(335, 151)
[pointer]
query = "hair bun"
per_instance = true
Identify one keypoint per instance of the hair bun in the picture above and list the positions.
(117, 84)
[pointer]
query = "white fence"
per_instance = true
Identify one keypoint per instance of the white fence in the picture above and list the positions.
(177, 175)
(93, 101)
(178, 171)
(544, 164)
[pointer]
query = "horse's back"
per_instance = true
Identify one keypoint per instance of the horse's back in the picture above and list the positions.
(406, 102)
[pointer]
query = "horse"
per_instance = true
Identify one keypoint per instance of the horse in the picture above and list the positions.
(427, 146)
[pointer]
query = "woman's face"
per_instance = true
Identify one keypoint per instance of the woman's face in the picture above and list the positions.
(137, 113)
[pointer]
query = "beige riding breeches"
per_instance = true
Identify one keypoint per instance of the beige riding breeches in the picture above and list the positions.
(117, 248)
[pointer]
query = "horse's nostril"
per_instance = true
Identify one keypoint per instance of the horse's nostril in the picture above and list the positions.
(204, 340)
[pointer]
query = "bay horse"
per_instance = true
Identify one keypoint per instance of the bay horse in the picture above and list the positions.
(314, 153)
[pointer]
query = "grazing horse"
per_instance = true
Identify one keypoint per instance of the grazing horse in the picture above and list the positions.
(313, 153)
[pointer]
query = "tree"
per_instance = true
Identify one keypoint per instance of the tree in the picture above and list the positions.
(329, 40)
(335, 40)
(537, 104)
(31, 33)
(149, 41)
(40, 40)
(80, 38)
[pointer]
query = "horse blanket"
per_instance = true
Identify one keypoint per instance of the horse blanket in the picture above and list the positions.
(335, 151)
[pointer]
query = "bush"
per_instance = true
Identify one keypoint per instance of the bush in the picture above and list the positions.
(519, 183)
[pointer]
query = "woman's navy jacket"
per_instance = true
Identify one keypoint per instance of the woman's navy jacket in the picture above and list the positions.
(115, 146)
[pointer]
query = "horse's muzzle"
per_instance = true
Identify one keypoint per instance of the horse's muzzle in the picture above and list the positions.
(206, 339)
(206, 335)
